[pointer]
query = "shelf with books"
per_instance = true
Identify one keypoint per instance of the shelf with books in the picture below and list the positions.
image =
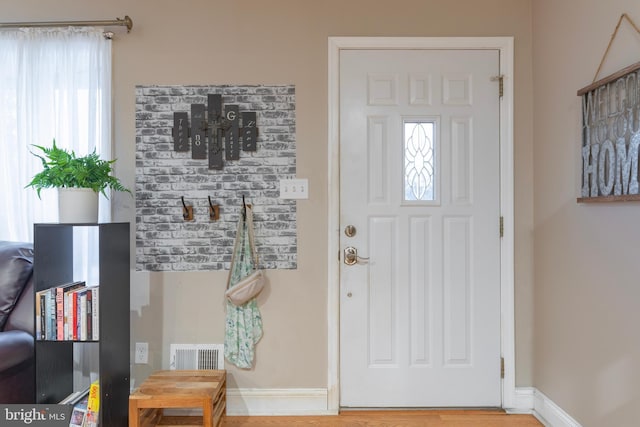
(75, 343)
(68, 312)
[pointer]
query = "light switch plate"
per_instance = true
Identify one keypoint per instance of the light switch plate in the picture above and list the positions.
(297, 188)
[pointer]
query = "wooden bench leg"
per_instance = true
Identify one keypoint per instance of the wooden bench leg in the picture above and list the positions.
(207, 413)
(134, 414)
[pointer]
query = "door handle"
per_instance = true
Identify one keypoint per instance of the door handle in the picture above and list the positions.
(351, 256)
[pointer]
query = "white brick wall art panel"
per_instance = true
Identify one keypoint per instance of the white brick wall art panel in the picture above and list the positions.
(164, 240)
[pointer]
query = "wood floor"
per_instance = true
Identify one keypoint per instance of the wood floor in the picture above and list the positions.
(429, 418)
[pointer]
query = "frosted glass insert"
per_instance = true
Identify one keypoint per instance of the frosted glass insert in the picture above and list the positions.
(418, 161)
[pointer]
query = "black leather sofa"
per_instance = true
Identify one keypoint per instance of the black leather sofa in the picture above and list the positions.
(17, 374)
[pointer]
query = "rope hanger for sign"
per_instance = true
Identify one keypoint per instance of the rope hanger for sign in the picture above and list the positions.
(613, 36)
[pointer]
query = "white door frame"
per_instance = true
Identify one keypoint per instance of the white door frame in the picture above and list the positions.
(505, 46)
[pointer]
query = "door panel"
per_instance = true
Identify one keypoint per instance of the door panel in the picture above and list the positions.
(419, 180)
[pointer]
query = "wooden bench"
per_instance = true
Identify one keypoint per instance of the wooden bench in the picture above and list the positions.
(204, 389)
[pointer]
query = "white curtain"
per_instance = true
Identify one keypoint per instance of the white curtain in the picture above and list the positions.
(54, 84)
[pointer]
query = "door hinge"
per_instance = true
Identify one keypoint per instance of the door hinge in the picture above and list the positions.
(501, 226)
(502, 367)
(500, 80)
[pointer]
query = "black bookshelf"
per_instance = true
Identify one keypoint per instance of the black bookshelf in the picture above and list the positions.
(53, 266)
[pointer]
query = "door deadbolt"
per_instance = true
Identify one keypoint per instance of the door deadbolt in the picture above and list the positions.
(350, 231)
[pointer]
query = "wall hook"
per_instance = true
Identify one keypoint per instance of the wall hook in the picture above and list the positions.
(214, 210)
(244, 208)
(187, 211)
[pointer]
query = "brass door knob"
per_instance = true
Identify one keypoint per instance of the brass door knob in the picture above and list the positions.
(351, 256)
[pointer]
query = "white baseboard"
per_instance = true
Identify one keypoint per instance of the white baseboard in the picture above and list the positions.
(550, 414)
(529, 400)
(313, 401)
(294, 401)
(523, 401)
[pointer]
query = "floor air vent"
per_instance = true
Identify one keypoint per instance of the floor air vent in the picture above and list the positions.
(196, 356)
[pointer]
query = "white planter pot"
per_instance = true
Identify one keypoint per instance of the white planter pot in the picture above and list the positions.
(77, 205)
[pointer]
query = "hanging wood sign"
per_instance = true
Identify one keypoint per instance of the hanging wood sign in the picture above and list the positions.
(231, 136)
(198, 132)
(210, 125)
(611, 137)
(249, 131)
(181, 137)
(215, 139)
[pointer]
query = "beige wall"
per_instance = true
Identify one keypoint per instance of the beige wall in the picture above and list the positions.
(587, 287)
(270, 42)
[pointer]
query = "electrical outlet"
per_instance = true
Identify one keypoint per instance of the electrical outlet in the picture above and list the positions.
(294, 188)
(142, 353)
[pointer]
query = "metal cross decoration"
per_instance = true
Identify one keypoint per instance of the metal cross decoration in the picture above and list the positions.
(207, 131)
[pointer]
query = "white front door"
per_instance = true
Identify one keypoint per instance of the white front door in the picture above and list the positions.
(420, 186)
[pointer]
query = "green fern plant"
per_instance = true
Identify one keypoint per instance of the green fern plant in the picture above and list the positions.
(63, 169)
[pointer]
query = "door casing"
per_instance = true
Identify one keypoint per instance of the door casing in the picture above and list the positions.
(507, 305)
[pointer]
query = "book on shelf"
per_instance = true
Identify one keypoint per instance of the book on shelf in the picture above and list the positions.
(61, 291)
(89, 321)
(90, 314)
(67, 312)
(74, 313)
(81, 315)
(79, 412)
(75, 397)
(79, 400)
(50, 315)
(46, 314)
(38, 317)
(95, 313)
(93, 405)
(83, 308)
